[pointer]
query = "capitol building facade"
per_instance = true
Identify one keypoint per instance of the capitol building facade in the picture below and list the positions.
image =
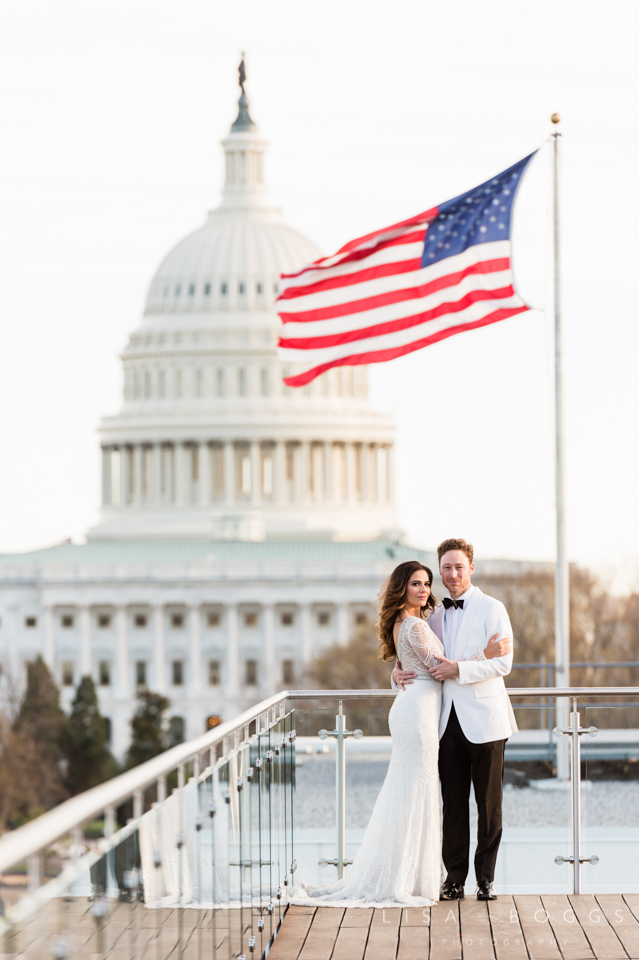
(245, 526)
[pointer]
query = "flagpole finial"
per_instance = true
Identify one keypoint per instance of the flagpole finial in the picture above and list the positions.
(555, 118)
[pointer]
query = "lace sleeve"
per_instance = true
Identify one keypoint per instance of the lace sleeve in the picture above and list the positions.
(423, 641)
(479, 655)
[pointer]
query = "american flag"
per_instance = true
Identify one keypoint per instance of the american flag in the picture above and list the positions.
(404, 287)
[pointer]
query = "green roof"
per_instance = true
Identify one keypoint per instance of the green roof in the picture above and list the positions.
(211, 551)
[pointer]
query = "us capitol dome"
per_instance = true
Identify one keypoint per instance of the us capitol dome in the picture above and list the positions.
(210, 443)
(245, 526)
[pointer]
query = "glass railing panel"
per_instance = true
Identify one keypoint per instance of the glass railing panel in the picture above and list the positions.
(536, 804)
(610, 796)
(314, 800)
(367, 761)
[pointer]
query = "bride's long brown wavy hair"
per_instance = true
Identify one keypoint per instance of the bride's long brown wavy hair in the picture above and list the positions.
(392, 599)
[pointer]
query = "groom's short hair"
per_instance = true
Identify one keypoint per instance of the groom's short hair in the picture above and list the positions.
(447, 545)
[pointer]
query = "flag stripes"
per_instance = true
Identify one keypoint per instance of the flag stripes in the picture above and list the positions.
(381, 297)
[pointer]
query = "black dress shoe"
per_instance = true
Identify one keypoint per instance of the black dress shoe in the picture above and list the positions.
(452, 891)
(485, 891)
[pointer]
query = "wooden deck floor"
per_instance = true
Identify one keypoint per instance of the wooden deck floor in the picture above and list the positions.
(512, 928)
(546, 927)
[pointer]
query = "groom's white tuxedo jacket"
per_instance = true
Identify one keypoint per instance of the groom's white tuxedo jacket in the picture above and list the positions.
(479, 693)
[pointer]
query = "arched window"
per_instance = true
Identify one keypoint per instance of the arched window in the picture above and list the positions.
(176, 731)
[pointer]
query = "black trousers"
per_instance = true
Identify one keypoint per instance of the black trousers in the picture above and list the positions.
(461, 761)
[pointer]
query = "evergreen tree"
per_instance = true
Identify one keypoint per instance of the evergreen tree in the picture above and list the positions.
(148, 729)
(89, 760)
(42, 724)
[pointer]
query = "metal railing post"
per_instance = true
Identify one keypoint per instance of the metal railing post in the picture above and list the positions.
(33, 872)
(575, 788)
(340, 806)
(340, 733)
(574, 731)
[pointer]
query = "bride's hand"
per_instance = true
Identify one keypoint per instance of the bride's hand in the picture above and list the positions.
(497, 648)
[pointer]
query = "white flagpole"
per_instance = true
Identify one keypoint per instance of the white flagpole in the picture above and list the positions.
(562, 596)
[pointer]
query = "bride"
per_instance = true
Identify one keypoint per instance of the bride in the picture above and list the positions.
(400, 861)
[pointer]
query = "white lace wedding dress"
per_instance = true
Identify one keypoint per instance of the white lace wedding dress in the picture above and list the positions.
(400, 860)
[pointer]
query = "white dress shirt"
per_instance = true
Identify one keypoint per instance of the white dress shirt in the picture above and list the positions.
(452, 620)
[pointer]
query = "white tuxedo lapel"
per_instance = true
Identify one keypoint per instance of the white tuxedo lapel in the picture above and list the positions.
(470, 612)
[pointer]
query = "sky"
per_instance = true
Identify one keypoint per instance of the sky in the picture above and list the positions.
(111, 115)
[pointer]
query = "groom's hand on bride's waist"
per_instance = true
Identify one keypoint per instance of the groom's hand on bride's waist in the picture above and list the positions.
(445, 669)
(402, 677)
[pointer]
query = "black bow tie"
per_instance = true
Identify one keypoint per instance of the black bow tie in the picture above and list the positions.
(448, 603)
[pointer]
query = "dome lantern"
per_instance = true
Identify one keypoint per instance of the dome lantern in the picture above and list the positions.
(244, 187)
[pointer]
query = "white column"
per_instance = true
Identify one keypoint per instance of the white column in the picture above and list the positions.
(365, 454)
(342, 624)
(85, 642)
(297, 473)
(269, 631)
(304, 456)
(307, 634)
(229, 472)
(328, 472)
(390, 491)
(156, 474)
(280, 472)
(256, 473)
(159, 654)
(49, 642)
(122, 652)
(181, 455)
(233, 648)
(195, 631)
(106, 475)
(137, 473)
(373, 480)
(349, 466)
(124, 475)
(205, 455)
(171, 471)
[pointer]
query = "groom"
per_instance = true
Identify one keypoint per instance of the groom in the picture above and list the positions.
(476, 720)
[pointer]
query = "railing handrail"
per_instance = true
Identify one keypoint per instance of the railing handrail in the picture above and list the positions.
(17, 845)
(511, 691)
